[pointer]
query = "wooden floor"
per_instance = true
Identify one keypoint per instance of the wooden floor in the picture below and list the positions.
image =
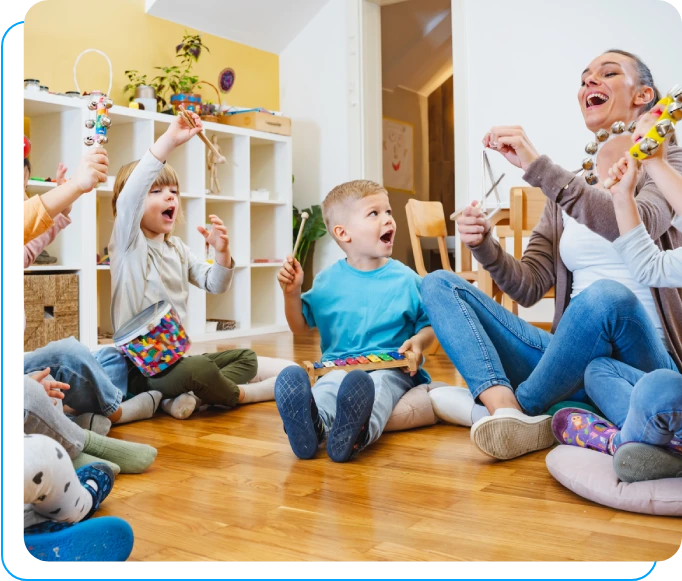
(226, 486)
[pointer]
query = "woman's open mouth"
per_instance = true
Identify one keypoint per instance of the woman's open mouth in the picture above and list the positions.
(595, 99)
(387, 237)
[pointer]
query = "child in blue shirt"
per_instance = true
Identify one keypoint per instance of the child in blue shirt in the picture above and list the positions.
(366, 303)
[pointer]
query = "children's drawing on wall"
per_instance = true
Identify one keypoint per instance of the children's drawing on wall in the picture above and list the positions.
(398, 155)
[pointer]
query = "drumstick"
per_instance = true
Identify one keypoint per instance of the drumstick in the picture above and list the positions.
(304, 217)
(188, 118)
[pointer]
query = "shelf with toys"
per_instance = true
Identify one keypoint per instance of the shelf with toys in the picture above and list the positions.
(254, 200)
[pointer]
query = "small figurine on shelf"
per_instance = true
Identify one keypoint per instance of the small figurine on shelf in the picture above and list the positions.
(213, 158)
(104, 259)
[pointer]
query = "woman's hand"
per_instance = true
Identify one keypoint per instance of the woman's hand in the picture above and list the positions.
(473, 225)
(513, 143)
(625, 171)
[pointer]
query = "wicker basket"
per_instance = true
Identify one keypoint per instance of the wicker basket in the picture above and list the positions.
(51, 307)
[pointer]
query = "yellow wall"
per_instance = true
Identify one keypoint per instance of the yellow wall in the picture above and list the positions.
(56, 31)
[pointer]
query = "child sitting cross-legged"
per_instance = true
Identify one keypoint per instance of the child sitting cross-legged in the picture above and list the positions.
(366, 303)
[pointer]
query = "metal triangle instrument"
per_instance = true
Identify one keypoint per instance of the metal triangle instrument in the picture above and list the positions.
(485, 190)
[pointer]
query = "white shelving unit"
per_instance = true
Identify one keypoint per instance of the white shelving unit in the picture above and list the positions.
(257, 229)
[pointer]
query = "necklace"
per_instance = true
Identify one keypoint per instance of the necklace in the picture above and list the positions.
(592, 148)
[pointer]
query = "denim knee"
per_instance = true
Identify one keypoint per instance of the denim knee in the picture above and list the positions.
(439, 281)
(661, 388)
(605, 297)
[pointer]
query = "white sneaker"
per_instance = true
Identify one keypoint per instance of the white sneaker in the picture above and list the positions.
(509, 433)
(453, 405)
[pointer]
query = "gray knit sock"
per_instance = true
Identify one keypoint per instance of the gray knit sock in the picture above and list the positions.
(131, 457)
(93, 422)
(181, 407)
(141, 407)
(82, 459)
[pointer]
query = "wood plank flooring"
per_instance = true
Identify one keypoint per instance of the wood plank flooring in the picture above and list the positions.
(226, 486)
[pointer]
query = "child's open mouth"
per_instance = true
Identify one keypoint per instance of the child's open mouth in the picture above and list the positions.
(387, 237)
(168, 214)
(595, 99)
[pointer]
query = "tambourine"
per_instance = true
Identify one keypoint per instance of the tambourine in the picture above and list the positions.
(671, 105)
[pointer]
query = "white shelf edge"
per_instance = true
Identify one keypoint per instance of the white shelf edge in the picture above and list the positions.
(38, 185)
(218, 198)
(269, 202)
(53, 267)
(258, 329)
(103, 267)
(267, 264)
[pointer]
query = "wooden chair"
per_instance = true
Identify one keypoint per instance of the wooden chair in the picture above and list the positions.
(526, 205)
(427, 220)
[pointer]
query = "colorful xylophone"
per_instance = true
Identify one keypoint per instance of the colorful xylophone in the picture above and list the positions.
(372, 362)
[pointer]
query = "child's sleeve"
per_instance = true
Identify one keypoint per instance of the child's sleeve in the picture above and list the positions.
(650, 265)
(36, 219)
(130, 202)
(37, 245)
(307, 300)
(212, 278)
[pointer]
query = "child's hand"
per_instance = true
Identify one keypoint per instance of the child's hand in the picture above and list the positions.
(217, 237)
(473, 225)
(412, 344)
(180, 131)
(52, 388)
(626, 171)
(646, 122)
(92, 169)
(290, 276)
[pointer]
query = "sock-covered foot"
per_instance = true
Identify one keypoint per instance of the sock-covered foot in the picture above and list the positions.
(181, 407)
(261, 391)
(131, 457)
(299, 413)
(509, 433)
(84, 459)
(354, 403)
(456, 405)
(97, 478)
(636, 462)
(578, 427)
(141, 407)
(93, 422)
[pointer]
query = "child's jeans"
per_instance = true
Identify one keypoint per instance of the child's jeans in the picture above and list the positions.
(213, 377)
(389, 386)
(91, 386)
(647, 407)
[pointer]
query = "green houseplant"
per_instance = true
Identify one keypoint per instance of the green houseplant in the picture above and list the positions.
(313, 230)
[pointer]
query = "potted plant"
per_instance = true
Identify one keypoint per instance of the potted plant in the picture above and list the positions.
(313, 230)
(138, 86)
(178, 79)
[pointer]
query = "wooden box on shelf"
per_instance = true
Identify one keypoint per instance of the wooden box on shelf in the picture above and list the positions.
(51, 307)
(260, 122)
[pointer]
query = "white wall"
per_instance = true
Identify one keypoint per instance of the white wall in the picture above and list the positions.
(519, 63)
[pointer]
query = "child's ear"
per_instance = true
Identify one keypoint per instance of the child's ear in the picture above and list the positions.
(340, 233)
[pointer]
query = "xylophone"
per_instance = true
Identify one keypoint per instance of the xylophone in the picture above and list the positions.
(671, 107)
(372, 362)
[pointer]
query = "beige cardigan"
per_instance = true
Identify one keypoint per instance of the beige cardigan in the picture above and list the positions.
(540, 268)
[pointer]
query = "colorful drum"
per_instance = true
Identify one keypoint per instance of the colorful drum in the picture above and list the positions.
(154, 340)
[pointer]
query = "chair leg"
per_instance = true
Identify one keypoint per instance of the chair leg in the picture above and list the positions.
(433, 349)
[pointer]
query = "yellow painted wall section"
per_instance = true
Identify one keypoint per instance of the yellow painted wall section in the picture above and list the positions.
(56, 31)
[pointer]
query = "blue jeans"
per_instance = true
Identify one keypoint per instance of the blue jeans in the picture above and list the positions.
(491, 346)
(389, 386)
(87, 374)
(647, 407)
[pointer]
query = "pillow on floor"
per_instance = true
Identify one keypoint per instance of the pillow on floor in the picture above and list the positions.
(590, 474)
(414, 409)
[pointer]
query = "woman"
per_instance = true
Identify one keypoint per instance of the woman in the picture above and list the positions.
(514, 369)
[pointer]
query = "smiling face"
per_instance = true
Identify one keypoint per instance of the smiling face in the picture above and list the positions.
(160, 210)
(610, 91)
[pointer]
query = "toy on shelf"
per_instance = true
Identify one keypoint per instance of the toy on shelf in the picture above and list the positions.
(671, 113)
(371, 362)
(214, 157)
(104, 260)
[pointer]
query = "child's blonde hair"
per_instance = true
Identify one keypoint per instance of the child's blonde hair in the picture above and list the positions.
(167, 177)
(354, 190)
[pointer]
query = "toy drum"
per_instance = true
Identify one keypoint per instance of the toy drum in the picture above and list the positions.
(154, 339)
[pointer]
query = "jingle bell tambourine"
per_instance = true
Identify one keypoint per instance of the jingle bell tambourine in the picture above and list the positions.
(101, 104)
(671, 105)
(154, 339)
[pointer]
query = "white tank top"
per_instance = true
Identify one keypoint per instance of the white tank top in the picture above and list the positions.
(591, 257)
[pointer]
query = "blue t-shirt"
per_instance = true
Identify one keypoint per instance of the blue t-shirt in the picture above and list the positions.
(361, 312)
